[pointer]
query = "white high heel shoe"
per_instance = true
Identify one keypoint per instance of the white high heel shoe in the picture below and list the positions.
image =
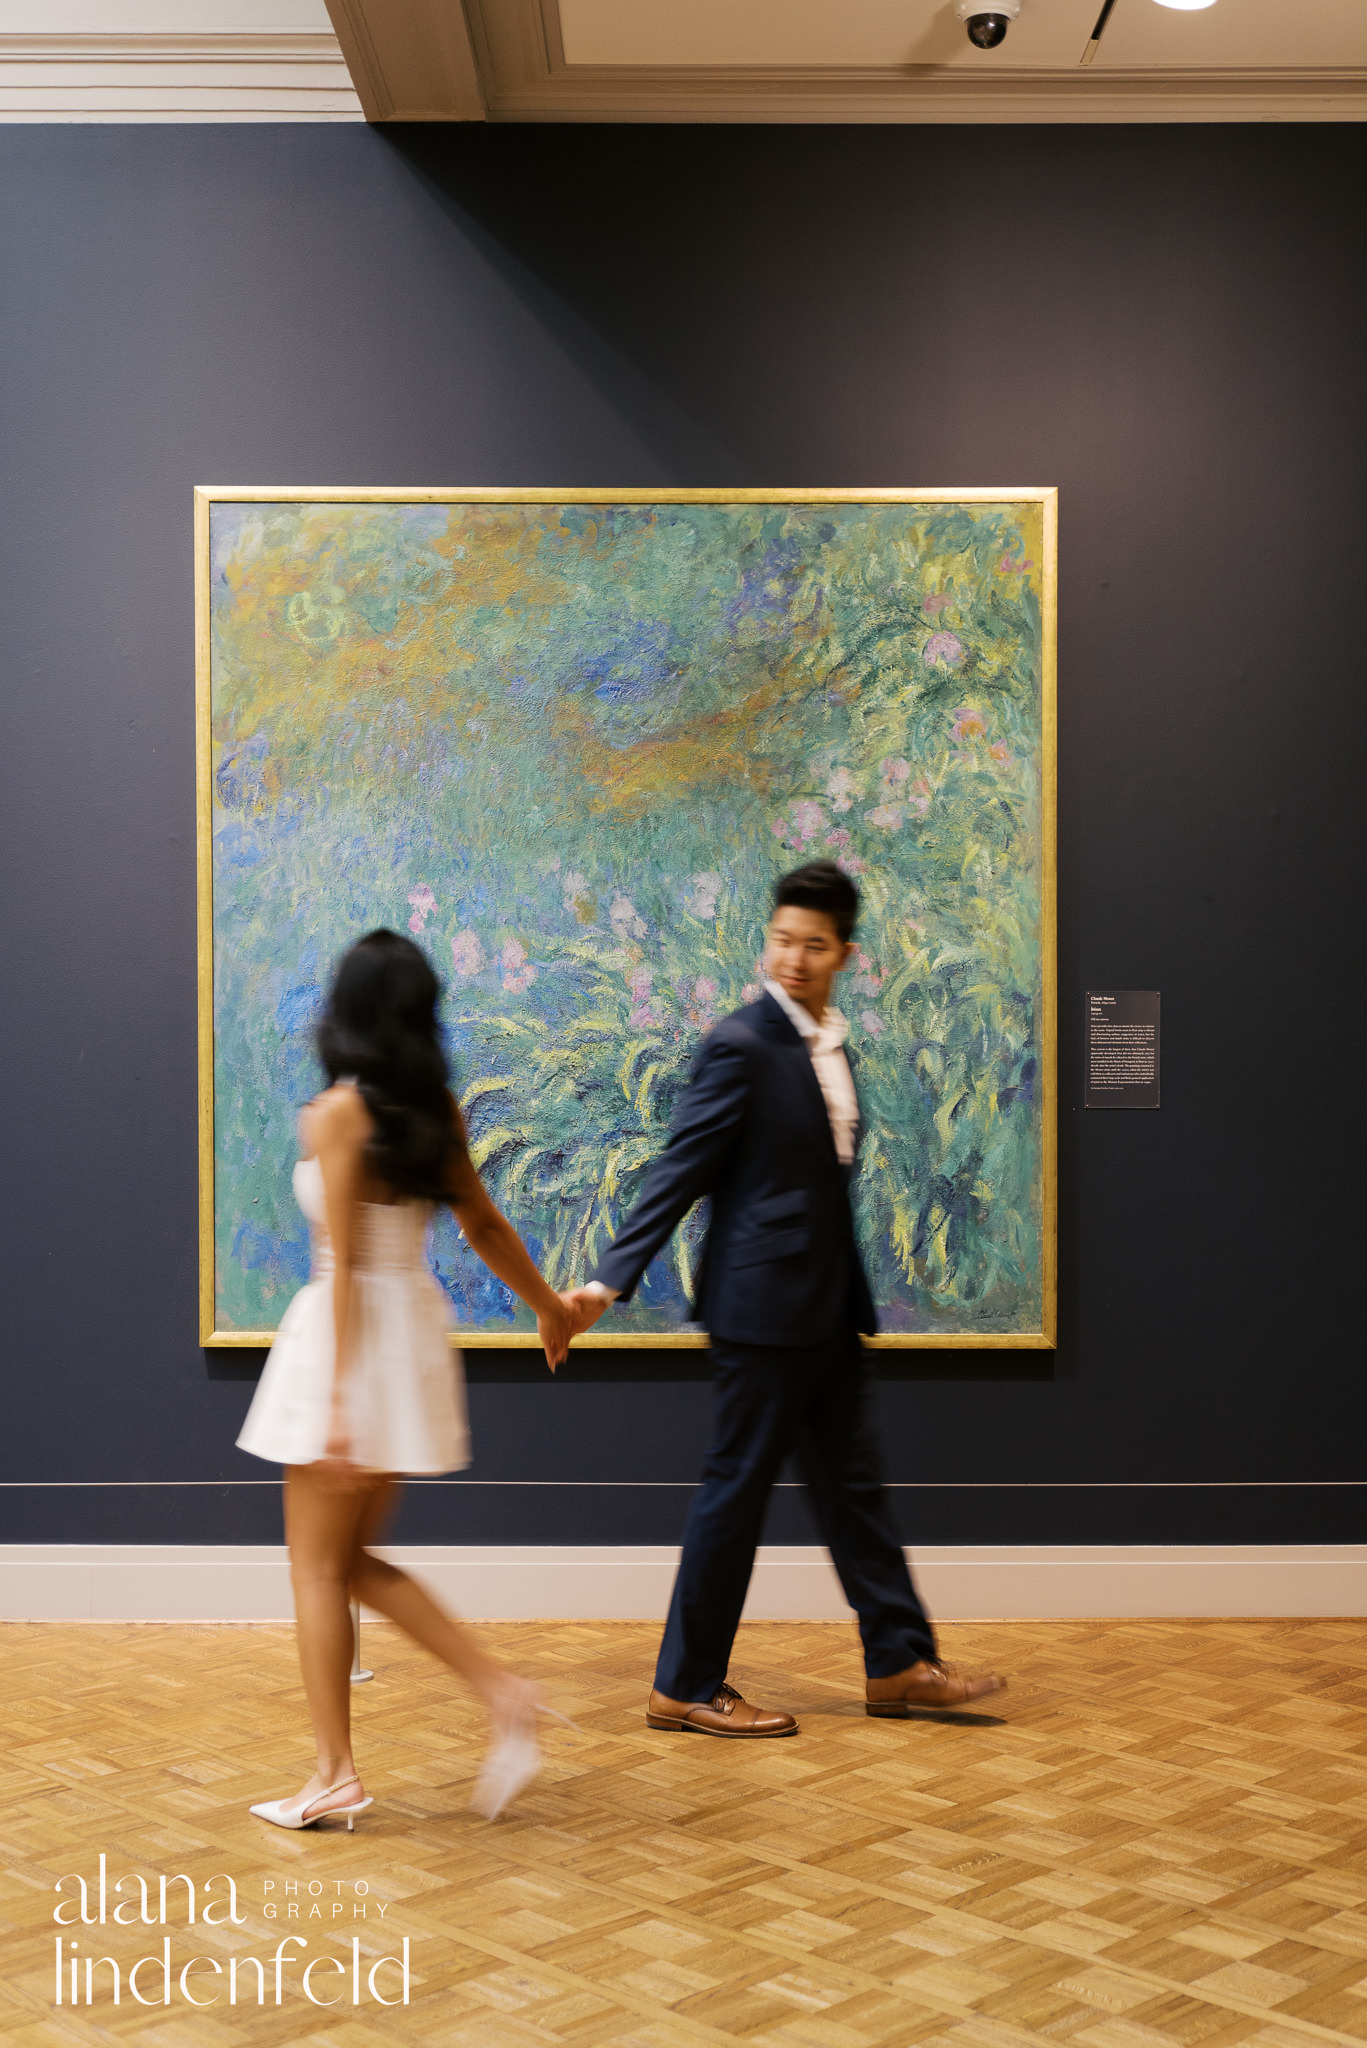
(512, 1763)
(510, 1766)
(294, 1813)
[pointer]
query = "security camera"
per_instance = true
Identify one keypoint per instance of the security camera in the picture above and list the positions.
(987, 25)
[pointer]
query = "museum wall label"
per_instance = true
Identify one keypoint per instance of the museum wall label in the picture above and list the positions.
(1122, 1034)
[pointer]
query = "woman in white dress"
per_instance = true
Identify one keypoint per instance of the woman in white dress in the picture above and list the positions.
(361, 1383)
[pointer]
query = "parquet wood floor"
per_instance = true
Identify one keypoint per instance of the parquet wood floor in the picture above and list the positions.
(1160, 1842)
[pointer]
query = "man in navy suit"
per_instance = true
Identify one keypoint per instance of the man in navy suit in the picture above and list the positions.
(768, 1128)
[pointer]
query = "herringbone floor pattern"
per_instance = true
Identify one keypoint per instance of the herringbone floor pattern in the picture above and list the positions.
(1161, 1840)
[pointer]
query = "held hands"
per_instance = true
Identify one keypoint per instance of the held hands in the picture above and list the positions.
(575, 1311)
(555, 1326)
(585, 1306)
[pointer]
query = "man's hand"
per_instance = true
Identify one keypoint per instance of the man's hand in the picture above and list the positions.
(585, 1304)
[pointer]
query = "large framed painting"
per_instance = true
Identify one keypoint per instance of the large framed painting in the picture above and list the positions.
(568, 740)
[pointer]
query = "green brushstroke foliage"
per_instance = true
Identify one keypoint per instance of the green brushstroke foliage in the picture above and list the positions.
(570, 748)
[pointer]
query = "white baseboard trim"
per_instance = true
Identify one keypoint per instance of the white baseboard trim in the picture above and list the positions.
(250, 1582)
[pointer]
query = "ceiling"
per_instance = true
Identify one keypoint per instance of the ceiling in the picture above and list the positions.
(676, 60)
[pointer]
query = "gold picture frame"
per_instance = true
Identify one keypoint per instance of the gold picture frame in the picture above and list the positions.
(1045, 498)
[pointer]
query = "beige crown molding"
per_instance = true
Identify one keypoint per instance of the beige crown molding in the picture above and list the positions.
(853, 96)
(155, 46)
(158, 77)
(503, 60)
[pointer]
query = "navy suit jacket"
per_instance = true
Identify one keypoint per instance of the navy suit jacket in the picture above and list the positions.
(779, 1264)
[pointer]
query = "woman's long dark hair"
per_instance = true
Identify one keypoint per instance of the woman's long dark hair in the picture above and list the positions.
(380, 1029)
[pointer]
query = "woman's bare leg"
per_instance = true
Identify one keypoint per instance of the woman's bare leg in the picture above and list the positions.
(400, 1599)
(323, 1526)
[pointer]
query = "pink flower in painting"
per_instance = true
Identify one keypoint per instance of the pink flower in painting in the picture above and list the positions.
(840, 837)
(842, 789)
(969, 725)
(896, 775)
(517, 972)
(750, 993)
(424, 903)
(919, 800)
(416, 923)
(867, 979)
(871, 1023)
(701, 1011)
(887, 817)
(1009, 568)
(936, 602)
(467, 955)
(808, 820)
(850, 864)
(1000, 754)
(945, 647)
(643, 1014)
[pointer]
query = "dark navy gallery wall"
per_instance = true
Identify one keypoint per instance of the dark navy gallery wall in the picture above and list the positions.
(1167, 323)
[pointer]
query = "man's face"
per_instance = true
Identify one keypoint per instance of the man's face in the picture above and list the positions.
(803, 953)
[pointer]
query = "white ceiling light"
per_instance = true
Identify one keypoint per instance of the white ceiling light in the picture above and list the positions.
(1187, 6)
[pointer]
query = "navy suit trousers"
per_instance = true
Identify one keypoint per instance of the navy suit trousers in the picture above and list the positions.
(769, 1400)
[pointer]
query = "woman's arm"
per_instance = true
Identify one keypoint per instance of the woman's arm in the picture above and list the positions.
(336, 1128)
(492, 1238)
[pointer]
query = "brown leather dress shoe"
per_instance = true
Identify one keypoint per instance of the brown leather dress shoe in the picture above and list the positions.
(726, 1713)
(926, 1685)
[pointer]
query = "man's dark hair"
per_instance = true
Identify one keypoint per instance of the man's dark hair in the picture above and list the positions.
(821, 885)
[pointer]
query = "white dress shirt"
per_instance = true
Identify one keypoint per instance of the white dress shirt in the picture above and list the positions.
(824, 1042)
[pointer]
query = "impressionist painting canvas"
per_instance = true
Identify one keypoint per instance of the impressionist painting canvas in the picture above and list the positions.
(569, 744)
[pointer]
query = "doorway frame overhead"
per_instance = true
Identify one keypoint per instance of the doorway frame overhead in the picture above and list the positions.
(504, 60)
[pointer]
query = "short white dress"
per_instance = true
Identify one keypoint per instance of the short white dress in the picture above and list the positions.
(405, 1384)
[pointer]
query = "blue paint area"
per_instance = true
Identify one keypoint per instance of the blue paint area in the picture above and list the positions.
(235, 846)
(284, 1259)
(478, 1299)
(298, 1009)
(766, 590)
(241, 777)
(634, 663)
